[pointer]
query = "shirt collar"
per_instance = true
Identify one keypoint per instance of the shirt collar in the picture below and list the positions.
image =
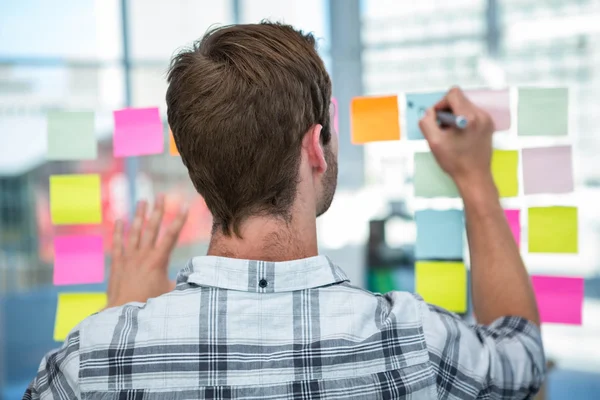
(261, 276)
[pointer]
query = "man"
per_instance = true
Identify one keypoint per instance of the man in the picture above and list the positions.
(264, 316)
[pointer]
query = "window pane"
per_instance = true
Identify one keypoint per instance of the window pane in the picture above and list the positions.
(158, 28)
(308, 15)
(66, 29)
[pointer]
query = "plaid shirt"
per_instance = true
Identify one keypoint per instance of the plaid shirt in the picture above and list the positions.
(291, 330)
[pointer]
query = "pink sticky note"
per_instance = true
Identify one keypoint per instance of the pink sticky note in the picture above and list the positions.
(512, 216)
(336, 126)
(138, 131)
(496, 103)
(560, 300)
(548, 170)
(78, 260)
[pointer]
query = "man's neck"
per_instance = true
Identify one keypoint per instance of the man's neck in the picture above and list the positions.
(268, 239)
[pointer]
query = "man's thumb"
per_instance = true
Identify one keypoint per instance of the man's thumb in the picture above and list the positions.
(428, 125)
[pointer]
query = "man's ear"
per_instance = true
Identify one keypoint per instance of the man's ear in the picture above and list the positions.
(314, 148)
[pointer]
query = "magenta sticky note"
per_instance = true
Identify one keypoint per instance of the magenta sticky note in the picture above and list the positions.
(496, 103)
(514, 222)
(548, 170)
(336, 125)
(78, 259)
(138, 132)
(560, 299)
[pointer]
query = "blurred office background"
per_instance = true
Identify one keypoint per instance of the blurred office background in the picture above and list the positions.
(104, 55)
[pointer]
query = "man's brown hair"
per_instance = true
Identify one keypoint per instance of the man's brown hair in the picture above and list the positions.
(239, 103)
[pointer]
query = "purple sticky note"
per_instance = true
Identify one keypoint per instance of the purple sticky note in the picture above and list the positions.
(138, 131)
(548, 170)
(336, 126)
(560, 300)
(78, 259)
(512, 216)
(496, 103)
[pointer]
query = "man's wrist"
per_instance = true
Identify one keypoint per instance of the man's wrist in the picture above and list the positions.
(478, 191)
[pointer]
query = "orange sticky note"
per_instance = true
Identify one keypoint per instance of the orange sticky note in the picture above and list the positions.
(172, 146)
(375, 119)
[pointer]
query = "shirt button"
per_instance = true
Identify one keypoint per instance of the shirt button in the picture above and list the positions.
(263, 283)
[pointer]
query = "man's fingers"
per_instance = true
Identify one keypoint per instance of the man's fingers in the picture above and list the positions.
(117, 259)
(455, 101)
(153, 226)
(136, 227)
(117, 244)
(173, 230)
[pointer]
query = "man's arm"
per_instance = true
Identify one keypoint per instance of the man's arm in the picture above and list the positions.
(500, 284)
(503, 360)
(58, 374)
(138, 272)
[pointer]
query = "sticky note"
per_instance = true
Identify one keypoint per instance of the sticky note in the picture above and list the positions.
(543, 112)
(78, 260)
(505, 169)
(172, 146)
(336, 121)
(430, 180)
(514, 222)
(72, 308)
(443, 284)
(560, 299)
(553, 230)
(439, 235)
(375, 119)
(71, 135)
(416, 104)
(548, 170)
(75, 199)
(496, 103)
(138, 131)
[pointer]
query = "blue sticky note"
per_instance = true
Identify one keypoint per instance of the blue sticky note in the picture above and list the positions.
(416, 104)
(439, 235)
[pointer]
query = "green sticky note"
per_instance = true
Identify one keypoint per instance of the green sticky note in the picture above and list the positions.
(72, 308)
(430, 179)
(75, 199)
(553, 230)
(543, 112)
(443, 284)
(71, 135)
(505, 167)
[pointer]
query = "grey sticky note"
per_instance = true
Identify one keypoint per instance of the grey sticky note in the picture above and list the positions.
(543, 112)
(548, 170)
(430, 179)
(71, 135)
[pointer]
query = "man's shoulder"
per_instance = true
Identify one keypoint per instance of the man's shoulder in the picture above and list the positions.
(125, 323)
(399, 307)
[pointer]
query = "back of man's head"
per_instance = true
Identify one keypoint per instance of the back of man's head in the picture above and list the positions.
(239, 103)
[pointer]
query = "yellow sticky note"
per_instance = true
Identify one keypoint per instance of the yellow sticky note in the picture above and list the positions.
(172, 146)
(75, 199)
(375, 119)
(72, 308)
(443, 284)
(553, 230)
(505, 167)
